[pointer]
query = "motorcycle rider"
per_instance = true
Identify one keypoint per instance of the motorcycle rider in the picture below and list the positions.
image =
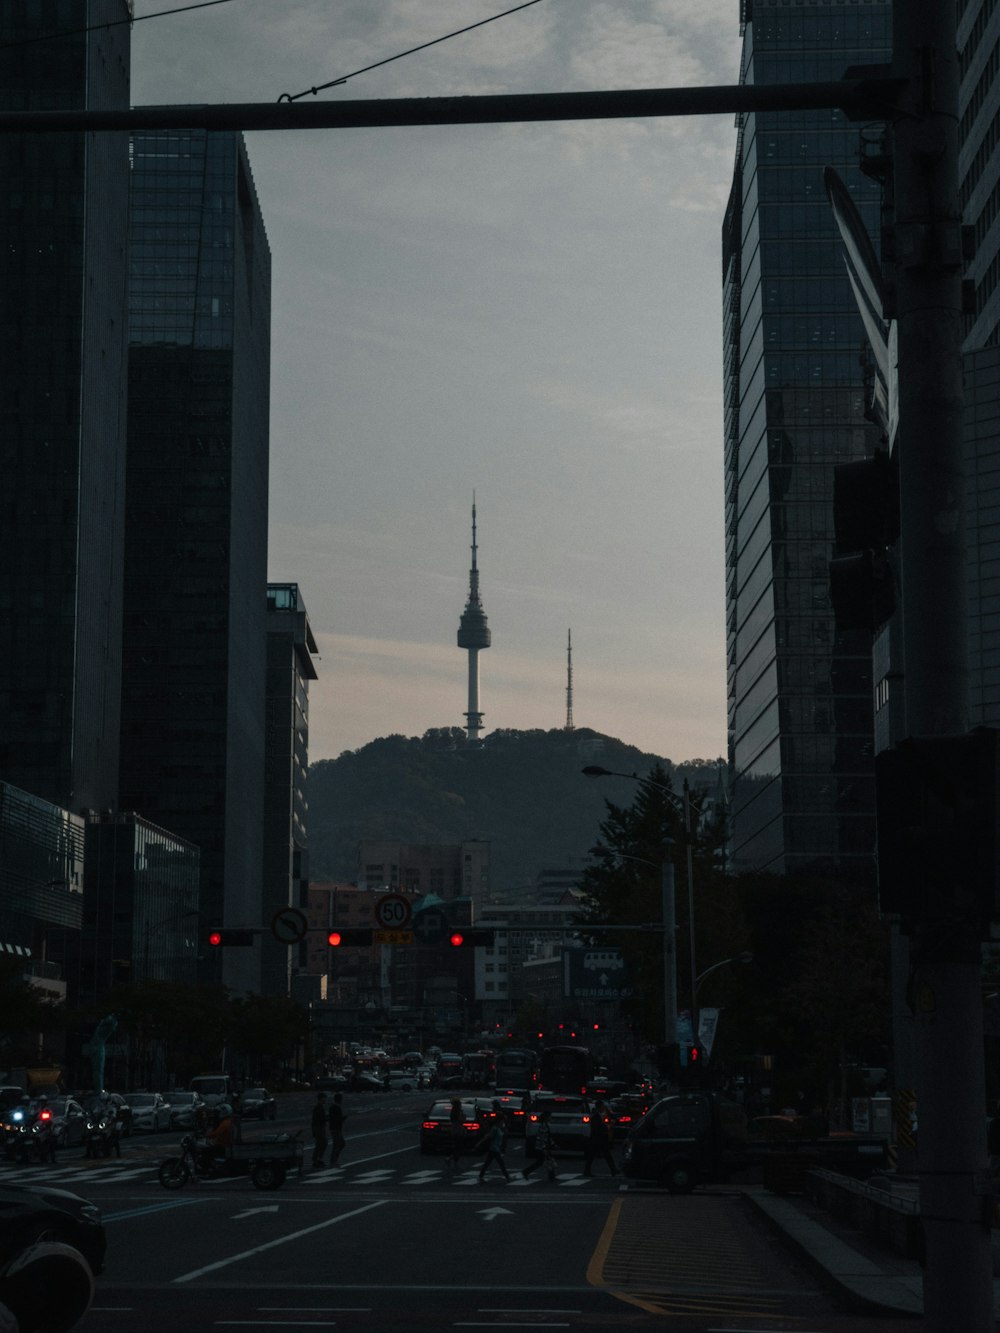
(219, 1140)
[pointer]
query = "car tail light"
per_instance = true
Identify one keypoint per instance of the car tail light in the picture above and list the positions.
(532, 1118)
(624, 1120)
(429, 1124)
(472, 1124)
(45, 1115)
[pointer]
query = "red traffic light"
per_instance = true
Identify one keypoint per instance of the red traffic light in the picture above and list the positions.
(694, 1055)
(223, 938)
(456, 939)
(358, 938)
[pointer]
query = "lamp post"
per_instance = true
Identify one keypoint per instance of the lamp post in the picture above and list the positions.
(684, 806)
(744, 957)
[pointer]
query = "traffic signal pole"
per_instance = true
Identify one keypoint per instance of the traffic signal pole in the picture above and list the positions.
(958, 1275)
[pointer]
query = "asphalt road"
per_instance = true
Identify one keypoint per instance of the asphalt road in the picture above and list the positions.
(396, 1241)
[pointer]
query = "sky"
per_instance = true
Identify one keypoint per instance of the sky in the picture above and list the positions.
(527, 312)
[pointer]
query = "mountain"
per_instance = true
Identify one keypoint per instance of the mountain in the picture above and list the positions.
(522, 791)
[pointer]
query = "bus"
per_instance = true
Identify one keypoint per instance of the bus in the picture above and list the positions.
(566, 1069)
(516, 1071)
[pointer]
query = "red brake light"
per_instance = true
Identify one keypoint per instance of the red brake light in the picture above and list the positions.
(586, 1119)
(45, 1115)
(472, 1124)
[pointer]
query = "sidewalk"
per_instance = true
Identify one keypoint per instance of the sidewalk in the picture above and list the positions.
(866, 1275)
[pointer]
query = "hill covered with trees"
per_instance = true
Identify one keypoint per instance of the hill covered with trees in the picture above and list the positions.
(522, 791)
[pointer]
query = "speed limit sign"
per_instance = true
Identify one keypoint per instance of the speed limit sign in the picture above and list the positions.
(392, 912)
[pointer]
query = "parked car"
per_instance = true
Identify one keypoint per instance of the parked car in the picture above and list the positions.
(56, 1214)
(257, 1103)
(332, 1083)
(150, 1111)
(187, 1110)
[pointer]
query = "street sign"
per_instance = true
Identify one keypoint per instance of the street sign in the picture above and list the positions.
(289, 925)
(392, 912)
(392, 937)
(431, 926)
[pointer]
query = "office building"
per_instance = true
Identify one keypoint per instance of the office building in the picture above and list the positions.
(195, 609)
(291, 649)
(62, 443)
(800, 710)
(448, 870)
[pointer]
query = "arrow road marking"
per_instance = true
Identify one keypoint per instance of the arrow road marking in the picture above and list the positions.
(249, 1212)
(491, 1214)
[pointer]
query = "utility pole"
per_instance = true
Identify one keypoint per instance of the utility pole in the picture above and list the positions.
(958, 1276)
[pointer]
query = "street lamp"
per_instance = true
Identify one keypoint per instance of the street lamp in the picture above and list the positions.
(744, 957)
(684, 805)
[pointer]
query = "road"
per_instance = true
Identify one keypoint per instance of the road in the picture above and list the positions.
(396, 1241)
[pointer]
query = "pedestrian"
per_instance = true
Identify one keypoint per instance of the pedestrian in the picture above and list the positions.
(599, 1139)
(337, 1118)
(456, 1122)
(319, 1126)
(541, 1149)
(495, 1141)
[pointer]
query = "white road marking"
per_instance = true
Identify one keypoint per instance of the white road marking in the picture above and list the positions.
(281, 1240)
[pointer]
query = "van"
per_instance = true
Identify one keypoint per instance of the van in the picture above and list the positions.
(214, 1089)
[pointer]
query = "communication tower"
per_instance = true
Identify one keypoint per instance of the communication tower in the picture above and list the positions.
(473, 634)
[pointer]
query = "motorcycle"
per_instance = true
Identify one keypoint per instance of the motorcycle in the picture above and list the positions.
(103, 1136)
(31, 1137)
(266, 1163)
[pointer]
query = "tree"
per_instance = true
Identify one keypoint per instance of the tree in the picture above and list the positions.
(266, 1030)
(623, 885)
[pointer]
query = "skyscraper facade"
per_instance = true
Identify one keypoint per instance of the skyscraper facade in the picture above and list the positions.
(291, 649)
(800, 712)
(62, 385)
(195, 607)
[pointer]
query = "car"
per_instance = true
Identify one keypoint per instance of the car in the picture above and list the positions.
(435, 1127)
(401, 1080)
(257, 1103)
(569, 1120)
(627, 1110)
(33, 1212)
(150, 1111)
(365, 1081)
(69, 1121)
(187, 1110)
(514, 1106)
(332, 1083)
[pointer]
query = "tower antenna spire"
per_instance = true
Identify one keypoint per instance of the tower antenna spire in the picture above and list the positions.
(569, 680)
(473, 635)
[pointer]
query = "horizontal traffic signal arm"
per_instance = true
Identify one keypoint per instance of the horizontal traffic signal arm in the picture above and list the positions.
(229, 938)
(352, 937)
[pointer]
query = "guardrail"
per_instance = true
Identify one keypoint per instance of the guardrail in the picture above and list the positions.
(891, 1219)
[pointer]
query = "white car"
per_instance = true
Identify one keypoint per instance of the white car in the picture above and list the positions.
(150, 1111)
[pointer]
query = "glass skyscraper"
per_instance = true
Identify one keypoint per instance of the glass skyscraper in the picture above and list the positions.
(195, 603)
(62, 389)
(800, 710)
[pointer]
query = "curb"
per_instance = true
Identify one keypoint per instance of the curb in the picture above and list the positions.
(858, 1281)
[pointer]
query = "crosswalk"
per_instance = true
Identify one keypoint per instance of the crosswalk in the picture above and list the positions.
(127, 1172)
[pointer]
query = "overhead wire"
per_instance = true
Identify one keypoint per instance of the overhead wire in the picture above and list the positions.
(294, 97)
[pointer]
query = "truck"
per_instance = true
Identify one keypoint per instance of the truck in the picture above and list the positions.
(703, 1137)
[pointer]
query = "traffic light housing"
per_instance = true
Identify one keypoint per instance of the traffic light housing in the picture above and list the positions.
(471, 939)
(349, 938)
(936, 817)
(221, 938)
